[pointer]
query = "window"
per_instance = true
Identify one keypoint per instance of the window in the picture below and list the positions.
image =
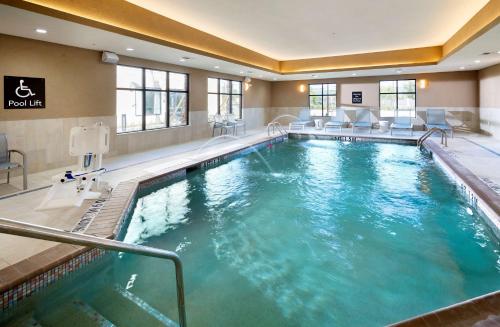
(224, 97)
(398, 98)
(150, 99)
(322, 99)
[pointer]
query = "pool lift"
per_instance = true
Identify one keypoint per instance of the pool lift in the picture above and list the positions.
(71, 188)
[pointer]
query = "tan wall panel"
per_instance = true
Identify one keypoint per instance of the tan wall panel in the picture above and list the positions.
(489, 81)
(456, 89)
(489, 100)
(77, 83)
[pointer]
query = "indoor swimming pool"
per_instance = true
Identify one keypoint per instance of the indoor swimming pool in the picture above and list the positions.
(314, 233)
(299, 233)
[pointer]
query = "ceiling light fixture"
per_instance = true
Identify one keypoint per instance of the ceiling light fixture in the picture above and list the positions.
(41, 31)
(399, 71)
(242, 72)
(274, 78)
(216, 67)
(462, 68)
(354, 74)
(498, 51)
(184, 59)
(130, 49)
(477, 61)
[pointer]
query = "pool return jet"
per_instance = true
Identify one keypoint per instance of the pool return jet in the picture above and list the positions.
(71, 188)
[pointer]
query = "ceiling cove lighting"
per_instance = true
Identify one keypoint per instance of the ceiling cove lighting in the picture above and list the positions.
(41, 31)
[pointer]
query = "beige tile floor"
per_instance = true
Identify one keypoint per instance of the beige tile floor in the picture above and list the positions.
(467, 148)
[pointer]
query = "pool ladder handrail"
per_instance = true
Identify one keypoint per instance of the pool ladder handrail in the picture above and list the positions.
(13, 227)
(444, 136)
(276, 126)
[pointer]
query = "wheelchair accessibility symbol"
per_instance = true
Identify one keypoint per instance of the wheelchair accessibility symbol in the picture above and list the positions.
(23, 91)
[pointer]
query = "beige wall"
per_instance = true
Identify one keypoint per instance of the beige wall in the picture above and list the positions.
(489, 100)
(81, 90)
(78, 84)
(456, 92)
(462, 85)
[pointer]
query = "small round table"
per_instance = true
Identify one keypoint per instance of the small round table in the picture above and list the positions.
(383, 126)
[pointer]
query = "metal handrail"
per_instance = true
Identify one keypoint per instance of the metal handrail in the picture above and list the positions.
(276, 125)
(444, 136)
(13, 227)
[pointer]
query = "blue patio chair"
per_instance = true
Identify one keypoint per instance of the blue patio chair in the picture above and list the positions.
(363, 120)
(403, 123)
(436, 118)
(336, 121)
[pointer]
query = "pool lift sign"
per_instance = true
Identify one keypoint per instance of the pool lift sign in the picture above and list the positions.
(23, 92)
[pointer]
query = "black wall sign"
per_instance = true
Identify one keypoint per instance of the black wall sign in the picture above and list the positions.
(23, 92)
(357, 97)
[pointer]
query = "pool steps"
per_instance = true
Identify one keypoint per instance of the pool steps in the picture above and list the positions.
(124, 309)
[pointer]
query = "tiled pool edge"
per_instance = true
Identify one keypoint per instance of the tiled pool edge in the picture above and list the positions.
(25, 278)
(477, 192)
(478, 309)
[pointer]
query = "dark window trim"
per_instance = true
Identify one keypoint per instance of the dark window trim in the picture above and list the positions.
(167, 91)
(397, 93)
(219, 93)
(322, 95)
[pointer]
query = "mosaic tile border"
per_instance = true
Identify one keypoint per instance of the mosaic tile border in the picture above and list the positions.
(10, 298)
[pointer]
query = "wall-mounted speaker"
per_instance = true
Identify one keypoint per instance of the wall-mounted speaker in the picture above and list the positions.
(110, 57)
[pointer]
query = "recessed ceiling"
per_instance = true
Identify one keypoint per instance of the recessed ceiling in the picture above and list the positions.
(18, 22)
(287, 30)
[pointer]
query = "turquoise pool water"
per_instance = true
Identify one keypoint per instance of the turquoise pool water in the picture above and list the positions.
(312, 233)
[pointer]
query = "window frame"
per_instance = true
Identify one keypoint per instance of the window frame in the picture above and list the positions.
(230, 94)
(322, 95)
(397, 93)
(143, 90)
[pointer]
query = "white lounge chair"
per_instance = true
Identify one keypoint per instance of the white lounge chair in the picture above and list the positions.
(436, 118)
(303, 120)
(6, 165)
(336, 121)
(363, 120)
(403, 123)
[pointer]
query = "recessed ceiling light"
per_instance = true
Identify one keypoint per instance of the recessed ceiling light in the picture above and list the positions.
(242, 72)
(477, 61)
(130, 49)
(354, 74)
(462, 68)
(274, 78)
(41, 31)
(498, 51)
(399, 71)
(216, 67)
(184, 59)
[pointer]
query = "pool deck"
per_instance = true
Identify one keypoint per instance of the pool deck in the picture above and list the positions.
(23, 258)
